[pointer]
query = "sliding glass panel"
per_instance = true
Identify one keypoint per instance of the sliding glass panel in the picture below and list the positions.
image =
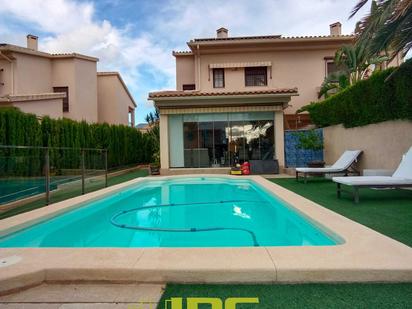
(176, 154)
(204, 154)
(221, 132)
(252, 134)
(191, 142)
(267, 139)
(237, 142)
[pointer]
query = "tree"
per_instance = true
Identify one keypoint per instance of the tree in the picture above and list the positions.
(355, 63)
(387, 28)
(154, 132)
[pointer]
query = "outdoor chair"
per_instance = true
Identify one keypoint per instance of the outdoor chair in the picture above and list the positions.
(345, 164)
(401, 178)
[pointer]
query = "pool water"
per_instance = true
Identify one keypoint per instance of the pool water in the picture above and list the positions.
(179, 212)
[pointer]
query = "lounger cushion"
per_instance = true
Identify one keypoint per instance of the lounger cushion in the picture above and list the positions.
(343, 163)
(318, 170)
(372, 181)
(404, 169)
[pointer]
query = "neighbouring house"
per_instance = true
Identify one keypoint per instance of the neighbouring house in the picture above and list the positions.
(235, 95)
(62, 85)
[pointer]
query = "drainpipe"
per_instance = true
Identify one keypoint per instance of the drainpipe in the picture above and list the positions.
(198, 66)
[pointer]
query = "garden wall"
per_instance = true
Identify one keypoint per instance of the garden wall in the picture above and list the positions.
(383, 144)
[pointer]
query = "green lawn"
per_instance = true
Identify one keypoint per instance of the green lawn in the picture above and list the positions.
(386, 211)
(302, 296)
(72, 191)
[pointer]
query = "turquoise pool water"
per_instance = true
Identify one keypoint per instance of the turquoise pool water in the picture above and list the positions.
(180, 212)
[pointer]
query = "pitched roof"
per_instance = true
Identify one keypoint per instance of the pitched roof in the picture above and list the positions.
(272, 37)
(121, 81)
(172, 93)
(28, 51)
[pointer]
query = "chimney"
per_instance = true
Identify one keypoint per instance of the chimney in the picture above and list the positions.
(32, 41)
(335, 28)
(222, 33)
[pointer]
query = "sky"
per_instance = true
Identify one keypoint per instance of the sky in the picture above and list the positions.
(137, 37)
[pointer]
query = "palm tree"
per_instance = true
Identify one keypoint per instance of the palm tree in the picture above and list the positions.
(355, 63)
(388, 27)
(333, 83)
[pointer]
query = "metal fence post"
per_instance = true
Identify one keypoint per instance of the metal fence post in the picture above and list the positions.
(105, 168)
(83, 170)
(47, 175)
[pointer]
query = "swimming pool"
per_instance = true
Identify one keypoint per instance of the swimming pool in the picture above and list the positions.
(178, 212)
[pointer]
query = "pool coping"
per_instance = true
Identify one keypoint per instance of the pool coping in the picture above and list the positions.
(365, 255)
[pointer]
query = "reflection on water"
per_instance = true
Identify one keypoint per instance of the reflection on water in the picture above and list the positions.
(184, 204)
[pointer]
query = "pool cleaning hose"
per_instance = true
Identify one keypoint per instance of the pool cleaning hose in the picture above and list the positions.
(193, 229)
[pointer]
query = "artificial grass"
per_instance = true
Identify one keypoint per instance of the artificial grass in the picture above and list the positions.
(301, 295)
(386, 211)
(72, 191)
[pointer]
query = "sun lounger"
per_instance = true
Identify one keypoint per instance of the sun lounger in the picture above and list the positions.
(401, 178)
(343, 165)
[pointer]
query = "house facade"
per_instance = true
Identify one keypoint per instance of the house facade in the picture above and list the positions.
(62, 85)
(235, 95)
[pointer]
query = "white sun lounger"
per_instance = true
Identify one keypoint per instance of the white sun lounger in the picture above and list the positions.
(401, 178)
(343, 165)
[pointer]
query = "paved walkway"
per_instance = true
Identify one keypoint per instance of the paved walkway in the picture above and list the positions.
(87, 296)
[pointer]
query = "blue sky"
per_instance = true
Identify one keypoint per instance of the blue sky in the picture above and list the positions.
(137, 37)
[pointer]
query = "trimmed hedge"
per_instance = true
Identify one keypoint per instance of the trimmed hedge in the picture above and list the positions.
(125, 145)
(373, 100)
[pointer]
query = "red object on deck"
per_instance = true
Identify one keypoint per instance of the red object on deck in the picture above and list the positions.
(245, 168)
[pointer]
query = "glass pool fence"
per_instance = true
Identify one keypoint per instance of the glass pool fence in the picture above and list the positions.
(31, 177)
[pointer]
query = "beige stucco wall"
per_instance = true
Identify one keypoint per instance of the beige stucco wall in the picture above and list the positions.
(31, 74)
(80, 76)
(113, 100)
(185, 68)
(383, 144)
(86, 90)
(304, 69)
(6, 82)
(51, 108)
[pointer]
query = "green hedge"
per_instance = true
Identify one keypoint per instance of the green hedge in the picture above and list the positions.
(125, 145)
(376, 99)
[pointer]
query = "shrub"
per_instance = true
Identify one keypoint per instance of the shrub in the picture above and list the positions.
(386, 95)
(125, 145)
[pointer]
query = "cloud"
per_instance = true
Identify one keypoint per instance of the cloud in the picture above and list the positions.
(143, 57)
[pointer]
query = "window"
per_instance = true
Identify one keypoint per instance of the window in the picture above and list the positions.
(331, 68)
(66, 99)
(256, 76)
(218, 78)
(189, 87)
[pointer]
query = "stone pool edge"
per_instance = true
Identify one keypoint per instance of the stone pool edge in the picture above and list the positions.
(365, 255)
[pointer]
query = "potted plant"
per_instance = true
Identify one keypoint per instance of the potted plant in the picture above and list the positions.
(310, 140)
(155, 165)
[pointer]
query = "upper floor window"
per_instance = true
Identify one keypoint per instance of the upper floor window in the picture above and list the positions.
(331, 68)
(66, 99)
(189, 87)
(256, 76)
(218, 78)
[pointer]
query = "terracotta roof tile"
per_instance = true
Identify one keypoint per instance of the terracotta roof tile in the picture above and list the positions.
(174, 93)
(270, 37)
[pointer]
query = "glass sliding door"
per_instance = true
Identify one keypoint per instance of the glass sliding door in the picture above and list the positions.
(221, 139)
(190, 142)
(266, 137)
(252, 134)
(221, 133)
(204, 154)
